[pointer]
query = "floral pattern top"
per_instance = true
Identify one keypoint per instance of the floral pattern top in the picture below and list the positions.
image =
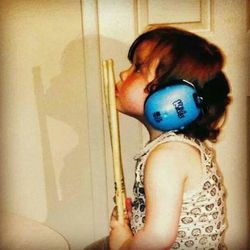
(202, 220)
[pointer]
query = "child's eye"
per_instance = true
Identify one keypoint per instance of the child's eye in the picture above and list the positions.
(137, 68)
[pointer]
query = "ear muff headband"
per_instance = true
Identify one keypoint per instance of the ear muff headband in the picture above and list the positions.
(173, 107)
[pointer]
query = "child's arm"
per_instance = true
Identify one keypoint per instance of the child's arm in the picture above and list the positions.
(165, 175)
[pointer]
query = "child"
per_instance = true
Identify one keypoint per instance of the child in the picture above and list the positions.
(179, 195)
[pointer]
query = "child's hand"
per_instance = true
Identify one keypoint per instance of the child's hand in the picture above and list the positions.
(128, 215)
(128, 208)
(119, 233)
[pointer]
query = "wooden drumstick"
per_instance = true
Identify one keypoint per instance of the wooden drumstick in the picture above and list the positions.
(105, 81)
(109, 92)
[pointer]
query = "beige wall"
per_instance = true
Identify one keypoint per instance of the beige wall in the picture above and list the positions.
(55, 151)
(45, 171)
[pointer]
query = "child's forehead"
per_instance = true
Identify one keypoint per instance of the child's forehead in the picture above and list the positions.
(144, 52)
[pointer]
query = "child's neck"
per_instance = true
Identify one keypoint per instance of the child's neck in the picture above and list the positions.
(153, 133)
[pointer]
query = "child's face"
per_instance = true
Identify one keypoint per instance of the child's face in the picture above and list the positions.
(130, 90)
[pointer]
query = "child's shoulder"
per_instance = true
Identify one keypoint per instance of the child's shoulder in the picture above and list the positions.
(175, 155)
(177, 149)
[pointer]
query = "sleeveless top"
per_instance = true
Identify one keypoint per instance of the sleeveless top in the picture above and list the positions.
(202, 218)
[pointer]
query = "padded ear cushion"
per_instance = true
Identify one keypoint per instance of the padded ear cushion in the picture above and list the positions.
(173, 107)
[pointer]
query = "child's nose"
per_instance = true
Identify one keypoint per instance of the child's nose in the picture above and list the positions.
(123, 75)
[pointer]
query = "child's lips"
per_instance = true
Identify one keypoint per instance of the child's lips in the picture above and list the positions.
(116, 91)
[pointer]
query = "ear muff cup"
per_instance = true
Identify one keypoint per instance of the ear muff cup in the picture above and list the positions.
(173, 107)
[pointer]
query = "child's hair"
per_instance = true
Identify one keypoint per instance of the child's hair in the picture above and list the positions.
(184, 55)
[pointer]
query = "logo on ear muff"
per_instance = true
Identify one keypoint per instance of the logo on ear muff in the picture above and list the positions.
(173, 107)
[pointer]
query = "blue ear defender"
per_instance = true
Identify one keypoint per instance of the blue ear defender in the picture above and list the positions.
(173, 107)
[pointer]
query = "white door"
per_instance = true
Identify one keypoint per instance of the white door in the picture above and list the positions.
(109, 27)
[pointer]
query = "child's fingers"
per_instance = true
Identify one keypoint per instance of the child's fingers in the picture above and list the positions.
(129, 207)
(113, 223)
(129, 204)
(127, 216)
(114, 214)
(127, 221)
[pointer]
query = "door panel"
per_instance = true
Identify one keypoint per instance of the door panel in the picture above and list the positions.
(222, 22)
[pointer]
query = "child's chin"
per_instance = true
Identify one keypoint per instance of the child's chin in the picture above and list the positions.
(133, 115)
(131, 112)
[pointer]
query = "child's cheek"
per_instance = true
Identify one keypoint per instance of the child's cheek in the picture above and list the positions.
(135, 98)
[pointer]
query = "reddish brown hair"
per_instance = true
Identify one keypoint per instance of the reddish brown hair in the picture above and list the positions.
(184, 55)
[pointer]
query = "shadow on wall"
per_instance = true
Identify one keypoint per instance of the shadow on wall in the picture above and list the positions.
(62, 114)
(63, 129)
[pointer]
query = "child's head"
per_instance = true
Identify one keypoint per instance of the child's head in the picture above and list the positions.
(168, 54)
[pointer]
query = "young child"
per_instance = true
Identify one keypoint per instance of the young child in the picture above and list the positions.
(178, 191)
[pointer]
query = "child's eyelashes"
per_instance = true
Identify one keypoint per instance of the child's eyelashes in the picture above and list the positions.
(137, 68)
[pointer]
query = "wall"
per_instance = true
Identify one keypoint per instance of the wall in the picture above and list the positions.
(45, 169)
